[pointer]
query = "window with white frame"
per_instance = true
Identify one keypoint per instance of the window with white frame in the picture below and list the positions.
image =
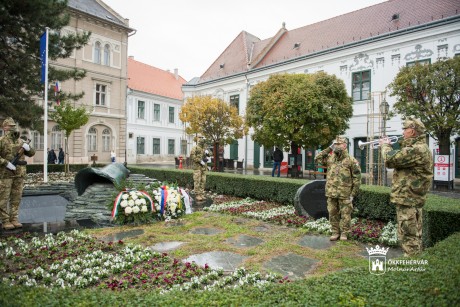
(56, 137)
(171, 146)
(183, 147)
(156, 146)
(97, 53)
(156, 112)
(419, 62)
(107, 55)
(140, 109)
(106, 137)
(235, 101)
(92, 139)
(361, 86)
(140, 145)
(38, 140)
(101, 94)
(171, 115)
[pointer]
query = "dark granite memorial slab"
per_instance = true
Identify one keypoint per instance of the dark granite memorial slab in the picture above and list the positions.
(310, 199)
(225, 260)
(315, 242)
(291, 265)
(42, 208)
(206, 231)
(122, 235)
(166, 246)
(244, 241)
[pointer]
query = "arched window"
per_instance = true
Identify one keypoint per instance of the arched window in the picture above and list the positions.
(107, 55)
(97, 53)
(92, 139)
(56, 137)
(106, 136)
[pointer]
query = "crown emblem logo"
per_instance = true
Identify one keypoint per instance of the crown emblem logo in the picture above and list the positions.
(377, 250)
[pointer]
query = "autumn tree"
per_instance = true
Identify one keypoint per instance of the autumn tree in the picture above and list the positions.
(292, 110)
(214, 119)
(22, 24)
(432, 94)
(69, 118)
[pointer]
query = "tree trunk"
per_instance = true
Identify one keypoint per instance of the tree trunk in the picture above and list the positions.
(294, 153)
(215, 152)
(66, 156)
(444, 142)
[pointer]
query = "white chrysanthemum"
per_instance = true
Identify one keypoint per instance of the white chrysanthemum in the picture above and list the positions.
(158, 198)
(139, 193)
(128, 210)
(157, 206)
(125, 196)
(173, 207)
(143, 201)
(155, 192)
(131, 202)
(144, 209)
(137, 202)
(132, 193)
(136, 209)
(134, 196)
(123, 203)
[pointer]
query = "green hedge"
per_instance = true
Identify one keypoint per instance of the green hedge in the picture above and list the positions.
(436, 286)
(441, 216)
(373, 202)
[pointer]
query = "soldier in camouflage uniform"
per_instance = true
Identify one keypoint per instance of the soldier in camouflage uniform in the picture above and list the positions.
(199, 160)
(11, 176)
(412, 175)
(343, 181)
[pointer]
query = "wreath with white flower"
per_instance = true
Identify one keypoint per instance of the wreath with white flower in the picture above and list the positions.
(133, 206)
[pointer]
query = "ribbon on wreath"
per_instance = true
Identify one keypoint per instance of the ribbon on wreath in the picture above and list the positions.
(152, 207)
(187, 201)
(116, 203)
(164, 198)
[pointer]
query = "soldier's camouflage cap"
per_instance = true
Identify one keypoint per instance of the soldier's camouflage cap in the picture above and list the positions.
(415, 124)
(9, 122)
(341, 140)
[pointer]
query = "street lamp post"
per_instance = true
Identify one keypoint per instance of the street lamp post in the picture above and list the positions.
(384, 109)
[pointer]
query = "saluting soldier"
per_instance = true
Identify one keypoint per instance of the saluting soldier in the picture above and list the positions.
(199, 155)
(412, 175)
(342, 184)
(12, 176)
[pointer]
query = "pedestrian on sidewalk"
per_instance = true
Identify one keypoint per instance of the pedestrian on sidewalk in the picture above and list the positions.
(12, 176)
(61, 156)
(342, 185)
(277, 159)
(412, 175)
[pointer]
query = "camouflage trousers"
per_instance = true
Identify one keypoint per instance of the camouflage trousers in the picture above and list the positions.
(409, 228)
(10, 191)
(339, 215)
(199, 181)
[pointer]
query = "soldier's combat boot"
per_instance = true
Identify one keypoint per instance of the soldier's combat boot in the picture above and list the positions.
(343, 237)
(7, 226)
(16, 223)
(334, 237)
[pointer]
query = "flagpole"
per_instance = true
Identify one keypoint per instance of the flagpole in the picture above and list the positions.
(45, 124)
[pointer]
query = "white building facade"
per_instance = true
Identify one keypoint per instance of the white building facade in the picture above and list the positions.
(154, 100)
(366, 65)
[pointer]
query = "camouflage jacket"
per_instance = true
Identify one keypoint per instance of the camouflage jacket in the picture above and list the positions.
(413, 171)
(9, 147)
(196, 156)
(343, 174)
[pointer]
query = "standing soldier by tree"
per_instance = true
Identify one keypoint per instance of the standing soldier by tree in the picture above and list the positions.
(343, 181)
(12, 175)
(199, 159)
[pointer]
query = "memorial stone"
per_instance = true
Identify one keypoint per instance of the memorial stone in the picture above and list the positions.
(310, 199)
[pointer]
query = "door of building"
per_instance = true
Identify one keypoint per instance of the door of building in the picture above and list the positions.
(457, 158)
(256, 155)
(268, 157)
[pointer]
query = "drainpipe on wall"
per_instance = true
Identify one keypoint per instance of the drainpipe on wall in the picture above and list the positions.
(246, 136)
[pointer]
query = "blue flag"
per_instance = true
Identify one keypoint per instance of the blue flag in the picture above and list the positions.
(43, 58)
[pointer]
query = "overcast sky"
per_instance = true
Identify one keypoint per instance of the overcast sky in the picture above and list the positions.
(190, 35)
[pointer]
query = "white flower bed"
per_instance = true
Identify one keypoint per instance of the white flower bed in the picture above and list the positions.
(389, 234)
(271, 213)
(232, 204)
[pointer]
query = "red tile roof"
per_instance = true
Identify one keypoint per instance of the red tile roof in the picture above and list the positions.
(362, 24)
(149, 79)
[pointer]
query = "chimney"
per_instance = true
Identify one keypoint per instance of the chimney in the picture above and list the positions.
(176, 73)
